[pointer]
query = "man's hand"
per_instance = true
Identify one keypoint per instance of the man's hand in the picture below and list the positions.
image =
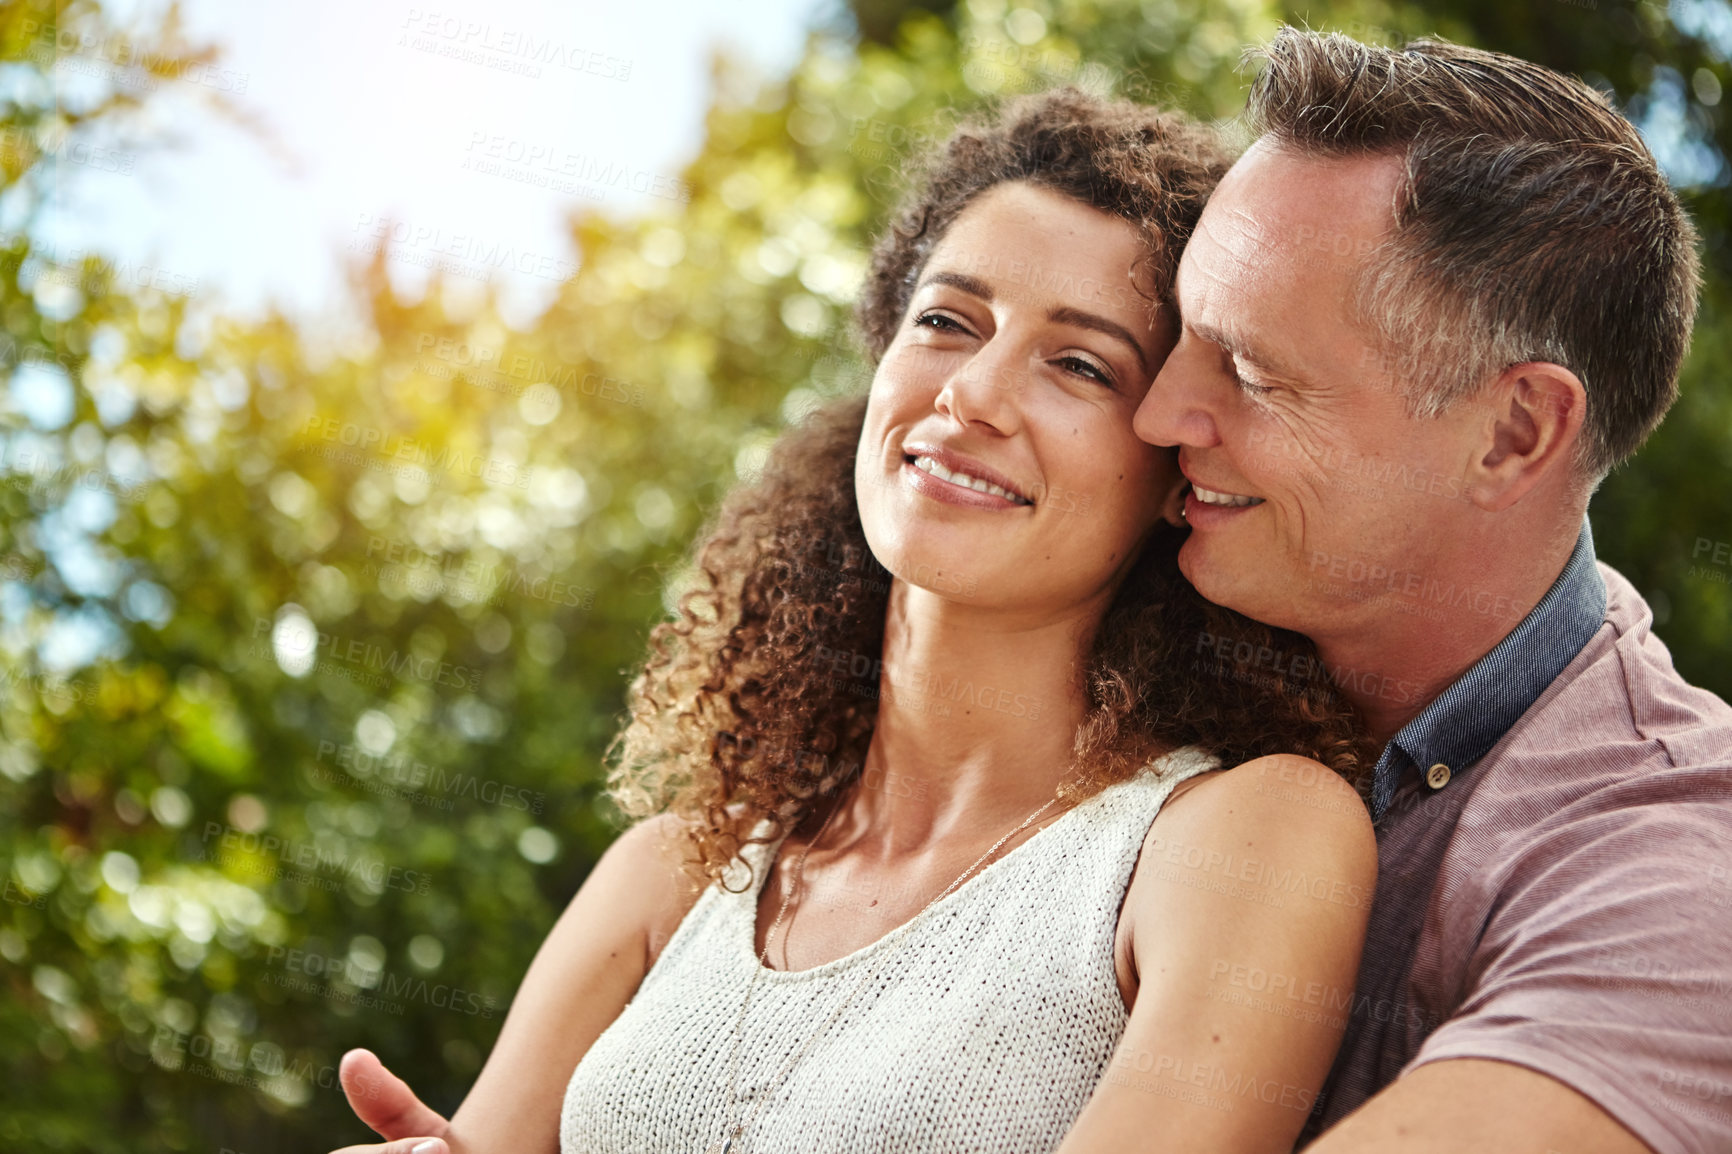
(384, 1101)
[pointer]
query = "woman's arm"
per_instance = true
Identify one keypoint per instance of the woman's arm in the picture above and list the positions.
(1248, 909)
(582, 977)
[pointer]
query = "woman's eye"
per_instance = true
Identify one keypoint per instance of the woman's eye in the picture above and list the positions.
(940, 321)
(1085, 368)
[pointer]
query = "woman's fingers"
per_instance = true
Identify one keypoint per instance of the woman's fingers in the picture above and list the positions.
(384, 1101)
(401, 1146)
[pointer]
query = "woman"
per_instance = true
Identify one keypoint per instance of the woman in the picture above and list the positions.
(889, 959)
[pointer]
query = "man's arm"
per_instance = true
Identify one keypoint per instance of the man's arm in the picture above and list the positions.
(1475, 1106)
(1593, 1013)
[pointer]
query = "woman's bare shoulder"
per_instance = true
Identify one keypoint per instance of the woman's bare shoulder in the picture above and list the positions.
(1283, 807)
(644, 870)
(1278, 786)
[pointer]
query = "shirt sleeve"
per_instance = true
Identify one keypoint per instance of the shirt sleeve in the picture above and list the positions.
(1607, 965)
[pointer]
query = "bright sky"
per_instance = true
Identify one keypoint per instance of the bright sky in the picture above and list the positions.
(388, 112)
(463, 131)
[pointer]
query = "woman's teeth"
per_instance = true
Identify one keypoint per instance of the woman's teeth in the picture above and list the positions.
(1210, 497)
(928, 465)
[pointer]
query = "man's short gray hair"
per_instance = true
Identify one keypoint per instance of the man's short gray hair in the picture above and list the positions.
(1532, 224)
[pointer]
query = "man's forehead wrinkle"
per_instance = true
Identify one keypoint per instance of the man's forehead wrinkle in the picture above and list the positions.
(1235, 254)
(1242, 240)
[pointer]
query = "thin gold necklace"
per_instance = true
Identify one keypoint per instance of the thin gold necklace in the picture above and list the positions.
(728, 1143)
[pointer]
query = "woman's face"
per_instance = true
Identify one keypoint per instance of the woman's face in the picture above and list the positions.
(997, 464)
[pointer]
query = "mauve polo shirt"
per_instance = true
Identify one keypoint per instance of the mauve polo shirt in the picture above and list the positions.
(1554, 837)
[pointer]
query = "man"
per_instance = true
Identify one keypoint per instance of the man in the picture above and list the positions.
(1442, 294)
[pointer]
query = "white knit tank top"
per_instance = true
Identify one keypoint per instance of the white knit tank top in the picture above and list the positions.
(985, 1031)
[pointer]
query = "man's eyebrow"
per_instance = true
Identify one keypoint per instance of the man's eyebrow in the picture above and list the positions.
(1238, 348)
(1100, 324)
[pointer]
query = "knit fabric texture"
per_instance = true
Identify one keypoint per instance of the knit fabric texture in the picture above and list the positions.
(987, 1028)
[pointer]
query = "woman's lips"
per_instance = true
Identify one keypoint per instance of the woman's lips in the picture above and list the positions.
(961, 469)
(951, 492)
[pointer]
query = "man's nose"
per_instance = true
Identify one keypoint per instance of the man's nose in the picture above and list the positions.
(1174, 410)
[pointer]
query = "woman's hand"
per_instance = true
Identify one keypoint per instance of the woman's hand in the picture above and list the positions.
(384, 1101)
(582, 977)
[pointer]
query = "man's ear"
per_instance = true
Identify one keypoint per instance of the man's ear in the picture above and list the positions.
(1534, 414)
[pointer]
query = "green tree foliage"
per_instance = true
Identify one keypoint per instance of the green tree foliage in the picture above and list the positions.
(311, 647)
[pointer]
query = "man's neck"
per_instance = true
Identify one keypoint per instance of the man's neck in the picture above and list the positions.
(1407, 647)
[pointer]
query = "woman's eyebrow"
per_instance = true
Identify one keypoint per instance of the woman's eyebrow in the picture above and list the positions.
(971, 285)
(976, 287)
(1100, 324)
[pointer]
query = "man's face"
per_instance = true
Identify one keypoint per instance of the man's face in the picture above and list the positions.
(1317, 500)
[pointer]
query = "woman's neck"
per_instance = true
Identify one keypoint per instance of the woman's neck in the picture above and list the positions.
(977, 714)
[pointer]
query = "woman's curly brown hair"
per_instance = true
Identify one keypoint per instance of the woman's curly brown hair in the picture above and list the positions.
(738, 714)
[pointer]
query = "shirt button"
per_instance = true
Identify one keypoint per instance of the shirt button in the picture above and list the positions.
(1437, 776)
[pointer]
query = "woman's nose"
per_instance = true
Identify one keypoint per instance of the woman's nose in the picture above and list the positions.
(987, 388)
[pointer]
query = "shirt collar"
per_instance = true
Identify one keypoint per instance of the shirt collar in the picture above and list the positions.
(1468, 718)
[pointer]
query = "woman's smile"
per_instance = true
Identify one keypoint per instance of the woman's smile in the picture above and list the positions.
(950, 477)
(999, 390)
